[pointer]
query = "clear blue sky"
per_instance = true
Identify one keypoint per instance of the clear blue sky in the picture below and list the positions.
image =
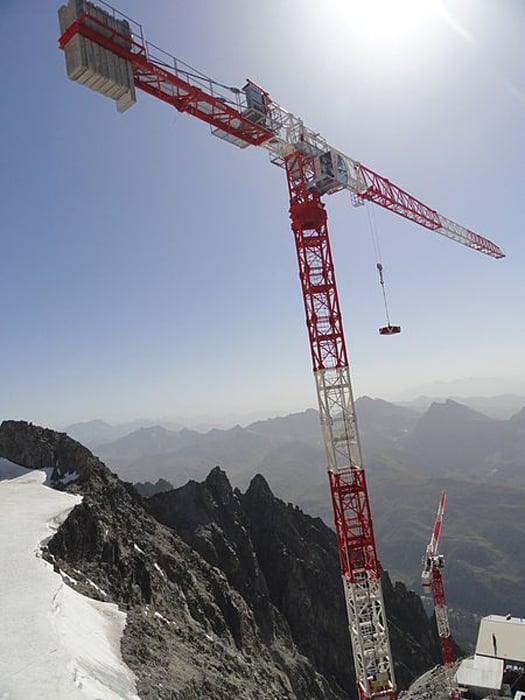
(147, 268)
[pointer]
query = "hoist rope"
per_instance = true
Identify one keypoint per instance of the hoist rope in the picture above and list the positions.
(373, 231)
(377, 253)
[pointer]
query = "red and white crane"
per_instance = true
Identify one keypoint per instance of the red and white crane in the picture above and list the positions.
(108, 52)
(433, 581)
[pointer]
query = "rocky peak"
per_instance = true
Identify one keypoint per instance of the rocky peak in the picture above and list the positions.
(35, 447)
(452, 410)
(209, 517)
(29, 445)
(147, 489)
(259, 491)
(285, 564)
(219, 487)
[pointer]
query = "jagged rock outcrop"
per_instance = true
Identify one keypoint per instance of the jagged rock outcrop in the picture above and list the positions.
(147, 489)
(40, 448)
(292, 560)
(239, 596)
(309, 591)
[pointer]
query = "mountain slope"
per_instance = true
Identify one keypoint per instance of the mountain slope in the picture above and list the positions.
(452, 438)
(483, 530)
(455, 441)
(189, 633)
(203, 618)
(297, 566)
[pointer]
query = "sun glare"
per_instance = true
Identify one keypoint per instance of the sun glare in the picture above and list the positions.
(391, 18)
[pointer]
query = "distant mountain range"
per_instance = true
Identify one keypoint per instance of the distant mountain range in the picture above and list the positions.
(447, 440)
(97, 432)
(502, 406)
(410, 455)
(453, 440)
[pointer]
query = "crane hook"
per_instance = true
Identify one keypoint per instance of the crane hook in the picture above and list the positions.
(389, 329)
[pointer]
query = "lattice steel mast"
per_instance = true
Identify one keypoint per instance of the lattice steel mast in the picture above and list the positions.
(432, 580)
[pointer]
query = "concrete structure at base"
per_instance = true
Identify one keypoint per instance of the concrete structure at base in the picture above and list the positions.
(92, 65)
(482, 676)
(498, 667)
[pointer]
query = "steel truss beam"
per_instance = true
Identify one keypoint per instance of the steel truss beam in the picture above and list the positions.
(353, 523)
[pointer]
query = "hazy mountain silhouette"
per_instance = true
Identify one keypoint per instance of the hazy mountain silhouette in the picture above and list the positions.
(480, 461)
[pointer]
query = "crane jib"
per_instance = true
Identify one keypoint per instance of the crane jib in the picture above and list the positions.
(267, 124)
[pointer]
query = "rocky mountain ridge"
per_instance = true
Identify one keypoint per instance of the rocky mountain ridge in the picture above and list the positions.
(213, 601)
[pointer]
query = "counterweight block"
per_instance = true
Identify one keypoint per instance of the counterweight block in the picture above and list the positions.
(91, 64)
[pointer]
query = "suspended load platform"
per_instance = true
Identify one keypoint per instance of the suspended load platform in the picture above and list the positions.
(389, 330)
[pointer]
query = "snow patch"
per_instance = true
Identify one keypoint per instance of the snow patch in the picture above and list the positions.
(161, 617)
(68, 478)
(97, 588)
(161, 572)
(54, 642)
(69, 578)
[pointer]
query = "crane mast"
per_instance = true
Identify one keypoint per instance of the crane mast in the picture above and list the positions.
(353, 522)
(432, 580)
(108, 52)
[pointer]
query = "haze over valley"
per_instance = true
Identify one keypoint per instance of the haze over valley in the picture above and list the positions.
(411, 452)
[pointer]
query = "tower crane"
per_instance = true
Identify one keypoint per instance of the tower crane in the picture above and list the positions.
(432, 580)
(108, 52)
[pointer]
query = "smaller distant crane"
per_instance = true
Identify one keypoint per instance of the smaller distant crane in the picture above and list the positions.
(431, 579)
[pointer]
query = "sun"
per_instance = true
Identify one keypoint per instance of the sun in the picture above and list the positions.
(383, 19)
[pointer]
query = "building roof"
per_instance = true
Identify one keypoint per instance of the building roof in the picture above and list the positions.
(480, 673)
(502, 638)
